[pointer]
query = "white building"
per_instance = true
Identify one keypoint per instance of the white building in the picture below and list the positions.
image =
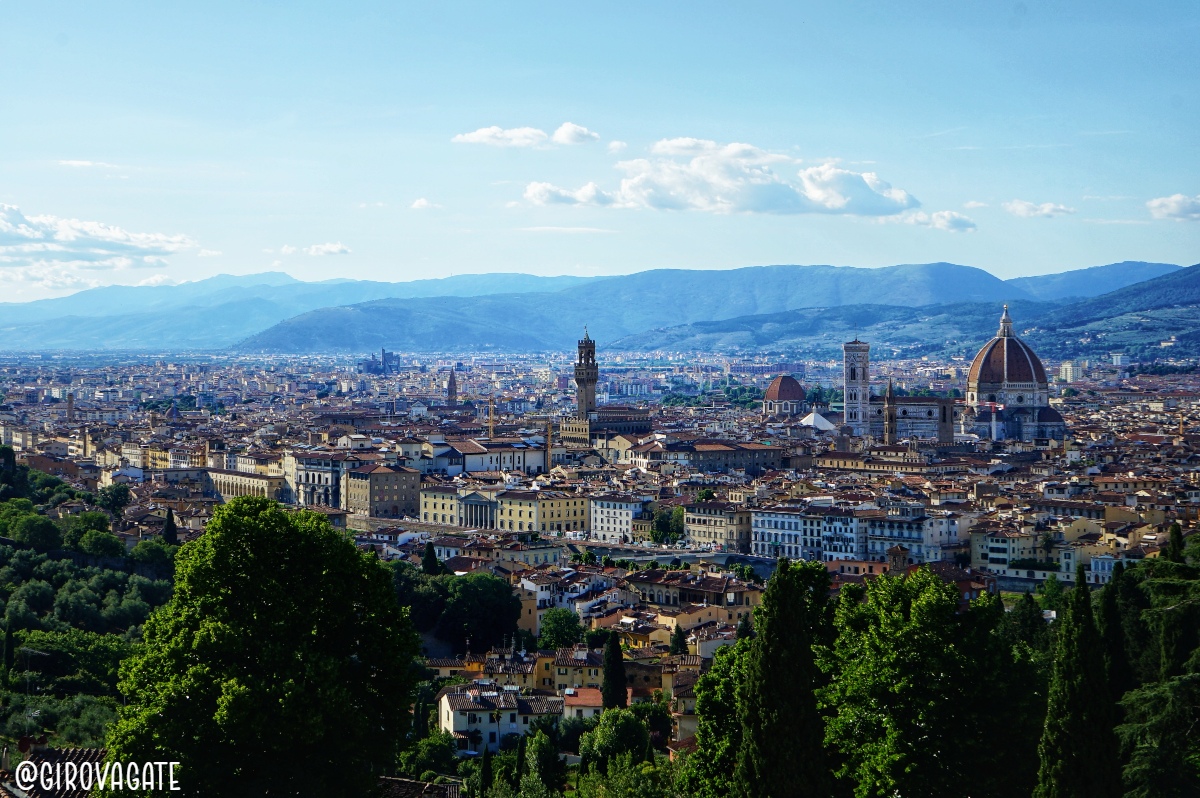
(612, 517)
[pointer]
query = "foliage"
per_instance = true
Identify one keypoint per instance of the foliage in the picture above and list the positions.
(101, 544)
(477, 607)
(1078, 750)
(436, 752)
(36, 531)
(629, 776)
(706, 495)
(1051, 594)
(69, 662)
(311, 695)
(430, 565)
(667, 527)
(543, 763)
(155, 553)
(1159, 739)
(613, 688)
(679, 644)
(114, 498)
(560, 629)
(618, 732)
(708, 772)
(782, 748)
(656, 716)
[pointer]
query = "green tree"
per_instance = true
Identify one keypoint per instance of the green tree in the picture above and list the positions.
(708, 772)
(114, 498)
(1025, 624)
(706, 495)
(480, 610)
(76, 526)
(170, 531)
(36, 531)
(1112, 636)
(1051, 594)
(678, 525)
(560, 629)
(1078, 751)
(485, 771)
(613, 688)
(1163, 759)
(101, 544)
(281, 665)
(618, 732)
(543, 763)
(679, 644)
(782, 751)
(430, 564)
(900, 684)
(1174, 551)
(154, 552)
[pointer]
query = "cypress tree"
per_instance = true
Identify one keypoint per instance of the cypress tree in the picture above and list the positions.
(170, 532)
(1078, 750)
(519, 773)
(1116, 660)
(429, 561)
(485, 771)
(1174, 551)
(679, 641)
(782, 751)
(612, 690)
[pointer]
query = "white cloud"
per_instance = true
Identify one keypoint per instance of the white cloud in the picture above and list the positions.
(696, 174)
(331, 248)
(496, 136)
(616, 146)
(971, 204)
(571, 133)
(1028, 210)
(423, 204)
(950, 221)
(32, 240)
(89, 164)
(1179, 207)
(209, 253)
(157, 279)
(286, 249)
(549, 194)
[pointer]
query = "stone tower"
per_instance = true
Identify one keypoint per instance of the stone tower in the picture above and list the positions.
(889, 417)
(587, 374)
(452, 389)
(70, 407)
(856, 385)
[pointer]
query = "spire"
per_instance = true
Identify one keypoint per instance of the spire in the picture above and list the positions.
(585, 333)
(1005, 325)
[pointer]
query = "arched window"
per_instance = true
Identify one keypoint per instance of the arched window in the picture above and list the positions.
(853, 373)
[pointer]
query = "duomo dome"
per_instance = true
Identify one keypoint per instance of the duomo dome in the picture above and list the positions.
(1006, 371)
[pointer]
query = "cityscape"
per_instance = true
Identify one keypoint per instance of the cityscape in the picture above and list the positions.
(470, 401)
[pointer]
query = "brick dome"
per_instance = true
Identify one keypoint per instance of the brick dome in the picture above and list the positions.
(1006, 359)
(784, 388)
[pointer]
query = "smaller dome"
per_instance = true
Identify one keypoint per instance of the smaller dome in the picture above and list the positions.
(784, 388)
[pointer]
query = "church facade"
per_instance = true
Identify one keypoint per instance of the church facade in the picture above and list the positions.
(889, 416)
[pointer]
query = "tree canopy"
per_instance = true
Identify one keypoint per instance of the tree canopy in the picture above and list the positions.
(281, 665)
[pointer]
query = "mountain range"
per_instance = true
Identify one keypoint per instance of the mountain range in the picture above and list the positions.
(748, 308)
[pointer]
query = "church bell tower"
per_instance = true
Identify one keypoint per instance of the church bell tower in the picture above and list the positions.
(856, 385)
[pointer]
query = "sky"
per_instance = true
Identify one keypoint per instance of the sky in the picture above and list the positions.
(150, 143)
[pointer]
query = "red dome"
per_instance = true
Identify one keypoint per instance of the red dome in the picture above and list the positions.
(1006, 358)
(784, 388)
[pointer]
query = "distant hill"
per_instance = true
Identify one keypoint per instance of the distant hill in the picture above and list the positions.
(219, 311)
(273, 312)
(1134, 319)
(1090, 282)
(619, 306)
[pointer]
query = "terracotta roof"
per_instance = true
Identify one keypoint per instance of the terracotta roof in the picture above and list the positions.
(784, 388)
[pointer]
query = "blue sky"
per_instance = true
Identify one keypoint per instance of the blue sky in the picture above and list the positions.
(162, 142)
